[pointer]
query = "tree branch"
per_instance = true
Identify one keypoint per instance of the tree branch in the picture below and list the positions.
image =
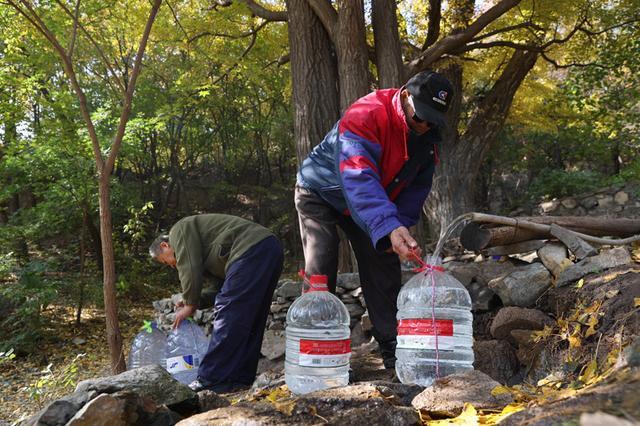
(249, 33)
(507, 29)
(455, 41)
(75, 28)
(126, 108)
(433, 29)
(327, 15)
(264, 13)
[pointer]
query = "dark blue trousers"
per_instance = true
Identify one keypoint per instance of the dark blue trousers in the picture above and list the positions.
(240, 314)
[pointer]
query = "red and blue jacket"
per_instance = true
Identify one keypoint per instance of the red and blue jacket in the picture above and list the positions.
(363, 167)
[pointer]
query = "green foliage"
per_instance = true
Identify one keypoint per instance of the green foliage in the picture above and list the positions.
(23, 302)
(561, 183)
(54, 381)
(7, 356)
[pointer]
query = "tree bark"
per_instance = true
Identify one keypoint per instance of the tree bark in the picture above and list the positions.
(454, 185)
(313, 76)
(391, 72)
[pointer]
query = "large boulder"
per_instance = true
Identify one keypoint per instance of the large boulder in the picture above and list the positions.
(554, 257)
(349, 281)
(606, 260)
(447, 396)
(523, 286)
(496, 358)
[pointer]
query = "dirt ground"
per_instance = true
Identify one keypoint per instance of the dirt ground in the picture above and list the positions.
(20, 393)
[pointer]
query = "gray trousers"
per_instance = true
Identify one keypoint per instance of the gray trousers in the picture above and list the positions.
(379, 271)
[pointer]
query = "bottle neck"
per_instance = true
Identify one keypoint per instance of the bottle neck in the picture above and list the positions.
(315, 283)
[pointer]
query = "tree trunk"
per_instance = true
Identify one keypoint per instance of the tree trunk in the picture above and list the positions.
(351, 47)
(114, 338)
(387, 43)
(454, 185)
(313, 78)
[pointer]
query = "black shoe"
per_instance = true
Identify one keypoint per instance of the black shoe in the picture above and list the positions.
(388, 353)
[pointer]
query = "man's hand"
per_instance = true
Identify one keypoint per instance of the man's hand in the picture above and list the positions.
(183, 313)
(403, 243)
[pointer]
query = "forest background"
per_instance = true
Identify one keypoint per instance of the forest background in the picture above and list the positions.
(122, 117)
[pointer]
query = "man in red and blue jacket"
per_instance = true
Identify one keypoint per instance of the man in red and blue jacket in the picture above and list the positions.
(370, 176)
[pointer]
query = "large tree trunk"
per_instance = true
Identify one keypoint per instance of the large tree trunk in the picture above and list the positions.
(387, 43)
(454, 186)
(114, 338)
(313, 76)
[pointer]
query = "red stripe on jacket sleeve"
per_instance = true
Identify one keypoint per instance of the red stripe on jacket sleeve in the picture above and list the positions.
(358, 162)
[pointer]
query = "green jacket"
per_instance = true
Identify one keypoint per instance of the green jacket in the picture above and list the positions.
(209, 243)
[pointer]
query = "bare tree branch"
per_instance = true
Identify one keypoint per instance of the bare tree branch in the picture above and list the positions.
(571, 64)
(327, 15)
(249, 33)
(261, 11)
(433, 28)
(507, 29)
(455, 41)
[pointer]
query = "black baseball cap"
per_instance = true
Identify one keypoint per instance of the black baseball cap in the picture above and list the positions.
(432, 94)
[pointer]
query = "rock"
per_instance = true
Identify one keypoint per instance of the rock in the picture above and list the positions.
(358, 335)
(604, 201)
(589, 203)
(60, 411)
(367, 326)
(78, 341)
(356, 293)
(276, 325)
(521, 338)
(209, 400)
(606, 260)
(516, 318)
(268, 379)
(447, 396)
(490, 270)
(523, 286)
(463, 271)
(549, 206)
(151, 381)
(104, 410)
(289, 290)
(176, 298)
(356, 405)
(569, 203)
(599, 419)
(554, 257)
(273, 344)
(355, 310)
(482, 297)
(495, 358)
(621, 198)
(349, 281)
(405, 392)
(163, 306)
(276, 307)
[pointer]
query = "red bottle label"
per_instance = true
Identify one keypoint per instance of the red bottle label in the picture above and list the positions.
(425, 327)
(324, 353)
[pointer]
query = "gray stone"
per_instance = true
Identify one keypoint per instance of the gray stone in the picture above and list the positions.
(279, 316)
(289, 290)
(358, 335)
(367, 326)
(209, 400)
(463, 271)
(362, 301)
(492, 269)
(176, 298)
(356, 293)
(516, 318)
(55, 413)
(549, 206)
(482, 297)
(268, 379)
(589, 203)
(347, 298)
(600, 419)
(495, 358)
(151, 381)
(447, 396)
(605, 200)
(606, 260)
(163, 306)
(554, 257)
(569, 203)
(356, 405)
(355, 310)
(276, 307)
(273, 344)
(78, 341)
(276, 325)
(349, 281)
(104, 410)
(523, 286)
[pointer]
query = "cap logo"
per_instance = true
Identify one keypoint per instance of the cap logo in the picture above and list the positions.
(442, 95)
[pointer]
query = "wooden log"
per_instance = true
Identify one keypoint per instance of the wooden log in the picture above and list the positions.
(592, 225)
(521, 247)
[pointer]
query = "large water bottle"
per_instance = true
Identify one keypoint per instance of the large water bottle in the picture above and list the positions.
(435, 334)
(318, 345)
(186, 345)
(148, 347)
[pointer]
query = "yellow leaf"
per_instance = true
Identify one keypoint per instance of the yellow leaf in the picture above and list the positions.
(494, 419)
(285, 407)
(468, 417)
(589, 372)
(539, 335)
(580, 283)
(636, 302)
(575, 342)
(499, 390)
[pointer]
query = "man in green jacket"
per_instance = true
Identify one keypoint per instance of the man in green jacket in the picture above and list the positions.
(248, 257)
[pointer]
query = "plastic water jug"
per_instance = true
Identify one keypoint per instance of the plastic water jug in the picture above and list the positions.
(435, 335)
(148, 347)
(186, 346)
(318, 345)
